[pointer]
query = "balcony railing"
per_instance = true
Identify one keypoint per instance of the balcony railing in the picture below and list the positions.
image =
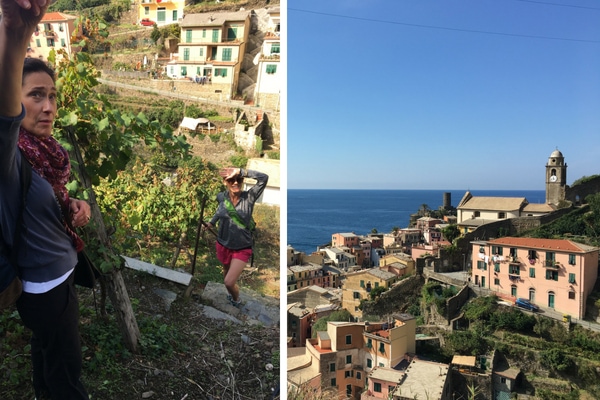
(552, 264)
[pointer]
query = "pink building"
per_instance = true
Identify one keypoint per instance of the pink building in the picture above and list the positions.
(552, 273)
(424, 223)
(376, 241)
(381, 383)
(344, 240)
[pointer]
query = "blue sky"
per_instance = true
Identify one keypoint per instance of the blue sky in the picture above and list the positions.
(423, 94)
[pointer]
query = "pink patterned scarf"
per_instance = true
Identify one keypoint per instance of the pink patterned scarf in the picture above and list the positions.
(51, 161)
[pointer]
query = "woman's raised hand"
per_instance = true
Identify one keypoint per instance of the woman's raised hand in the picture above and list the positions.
(228, 173)
(23, 13)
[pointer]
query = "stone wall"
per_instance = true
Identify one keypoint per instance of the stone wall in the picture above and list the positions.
(454, 304)
(581, 191)
(462, 382)
(505, 227)
(269, 101)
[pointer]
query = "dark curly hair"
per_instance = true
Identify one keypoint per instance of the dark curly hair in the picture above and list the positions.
(32, 65)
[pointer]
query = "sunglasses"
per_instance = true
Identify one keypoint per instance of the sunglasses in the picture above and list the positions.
(234, 180)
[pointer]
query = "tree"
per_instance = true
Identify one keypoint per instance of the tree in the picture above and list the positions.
(592, 219)
(424, 210)
(451, 232)
(556, 359)
(101, 141)
(374, 231)
(321, 323)
(376, 292)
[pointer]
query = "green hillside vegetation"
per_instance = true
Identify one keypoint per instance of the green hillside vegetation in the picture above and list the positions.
(584, 179)
(580, 225)
(336, 316)
(544, 349)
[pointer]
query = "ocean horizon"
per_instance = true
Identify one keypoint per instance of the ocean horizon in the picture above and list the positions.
(315, 214)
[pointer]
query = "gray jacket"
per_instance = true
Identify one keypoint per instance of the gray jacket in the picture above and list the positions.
(46, 251)
(229, 234)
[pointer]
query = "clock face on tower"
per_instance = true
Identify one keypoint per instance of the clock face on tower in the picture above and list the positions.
(553, 178)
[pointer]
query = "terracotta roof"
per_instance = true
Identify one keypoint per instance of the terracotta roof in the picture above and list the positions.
(494, 203)
(57, 16)
(544, 244)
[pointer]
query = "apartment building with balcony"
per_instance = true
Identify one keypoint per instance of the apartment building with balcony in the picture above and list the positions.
(305, 275)
(340, 258)
(556, 274)
(212, 46)
(334, 359)
(291, 281)
(340, 358)
(387, 344)
(52, 33)
(268, 82)
(162, 12)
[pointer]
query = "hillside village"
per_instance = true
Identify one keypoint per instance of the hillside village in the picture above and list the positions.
(227, 58)
(377, 278)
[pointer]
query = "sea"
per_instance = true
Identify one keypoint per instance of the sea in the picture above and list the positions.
(315, 214)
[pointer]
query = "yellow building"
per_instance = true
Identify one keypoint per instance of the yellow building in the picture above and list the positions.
(387, 344)
(161, 12)
(398, 263)
(212, 48)
(358, 285)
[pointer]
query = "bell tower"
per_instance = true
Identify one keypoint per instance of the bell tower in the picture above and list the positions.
(556, 178)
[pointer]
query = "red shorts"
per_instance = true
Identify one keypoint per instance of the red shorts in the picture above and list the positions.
(225, 255)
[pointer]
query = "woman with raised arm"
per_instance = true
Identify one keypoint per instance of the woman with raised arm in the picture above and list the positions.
(47, 247)
(234, 216)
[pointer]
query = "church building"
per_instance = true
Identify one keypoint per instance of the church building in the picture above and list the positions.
(474, 211)
(556, 178)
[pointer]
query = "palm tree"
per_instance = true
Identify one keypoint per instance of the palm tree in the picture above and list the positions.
(424, 210)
